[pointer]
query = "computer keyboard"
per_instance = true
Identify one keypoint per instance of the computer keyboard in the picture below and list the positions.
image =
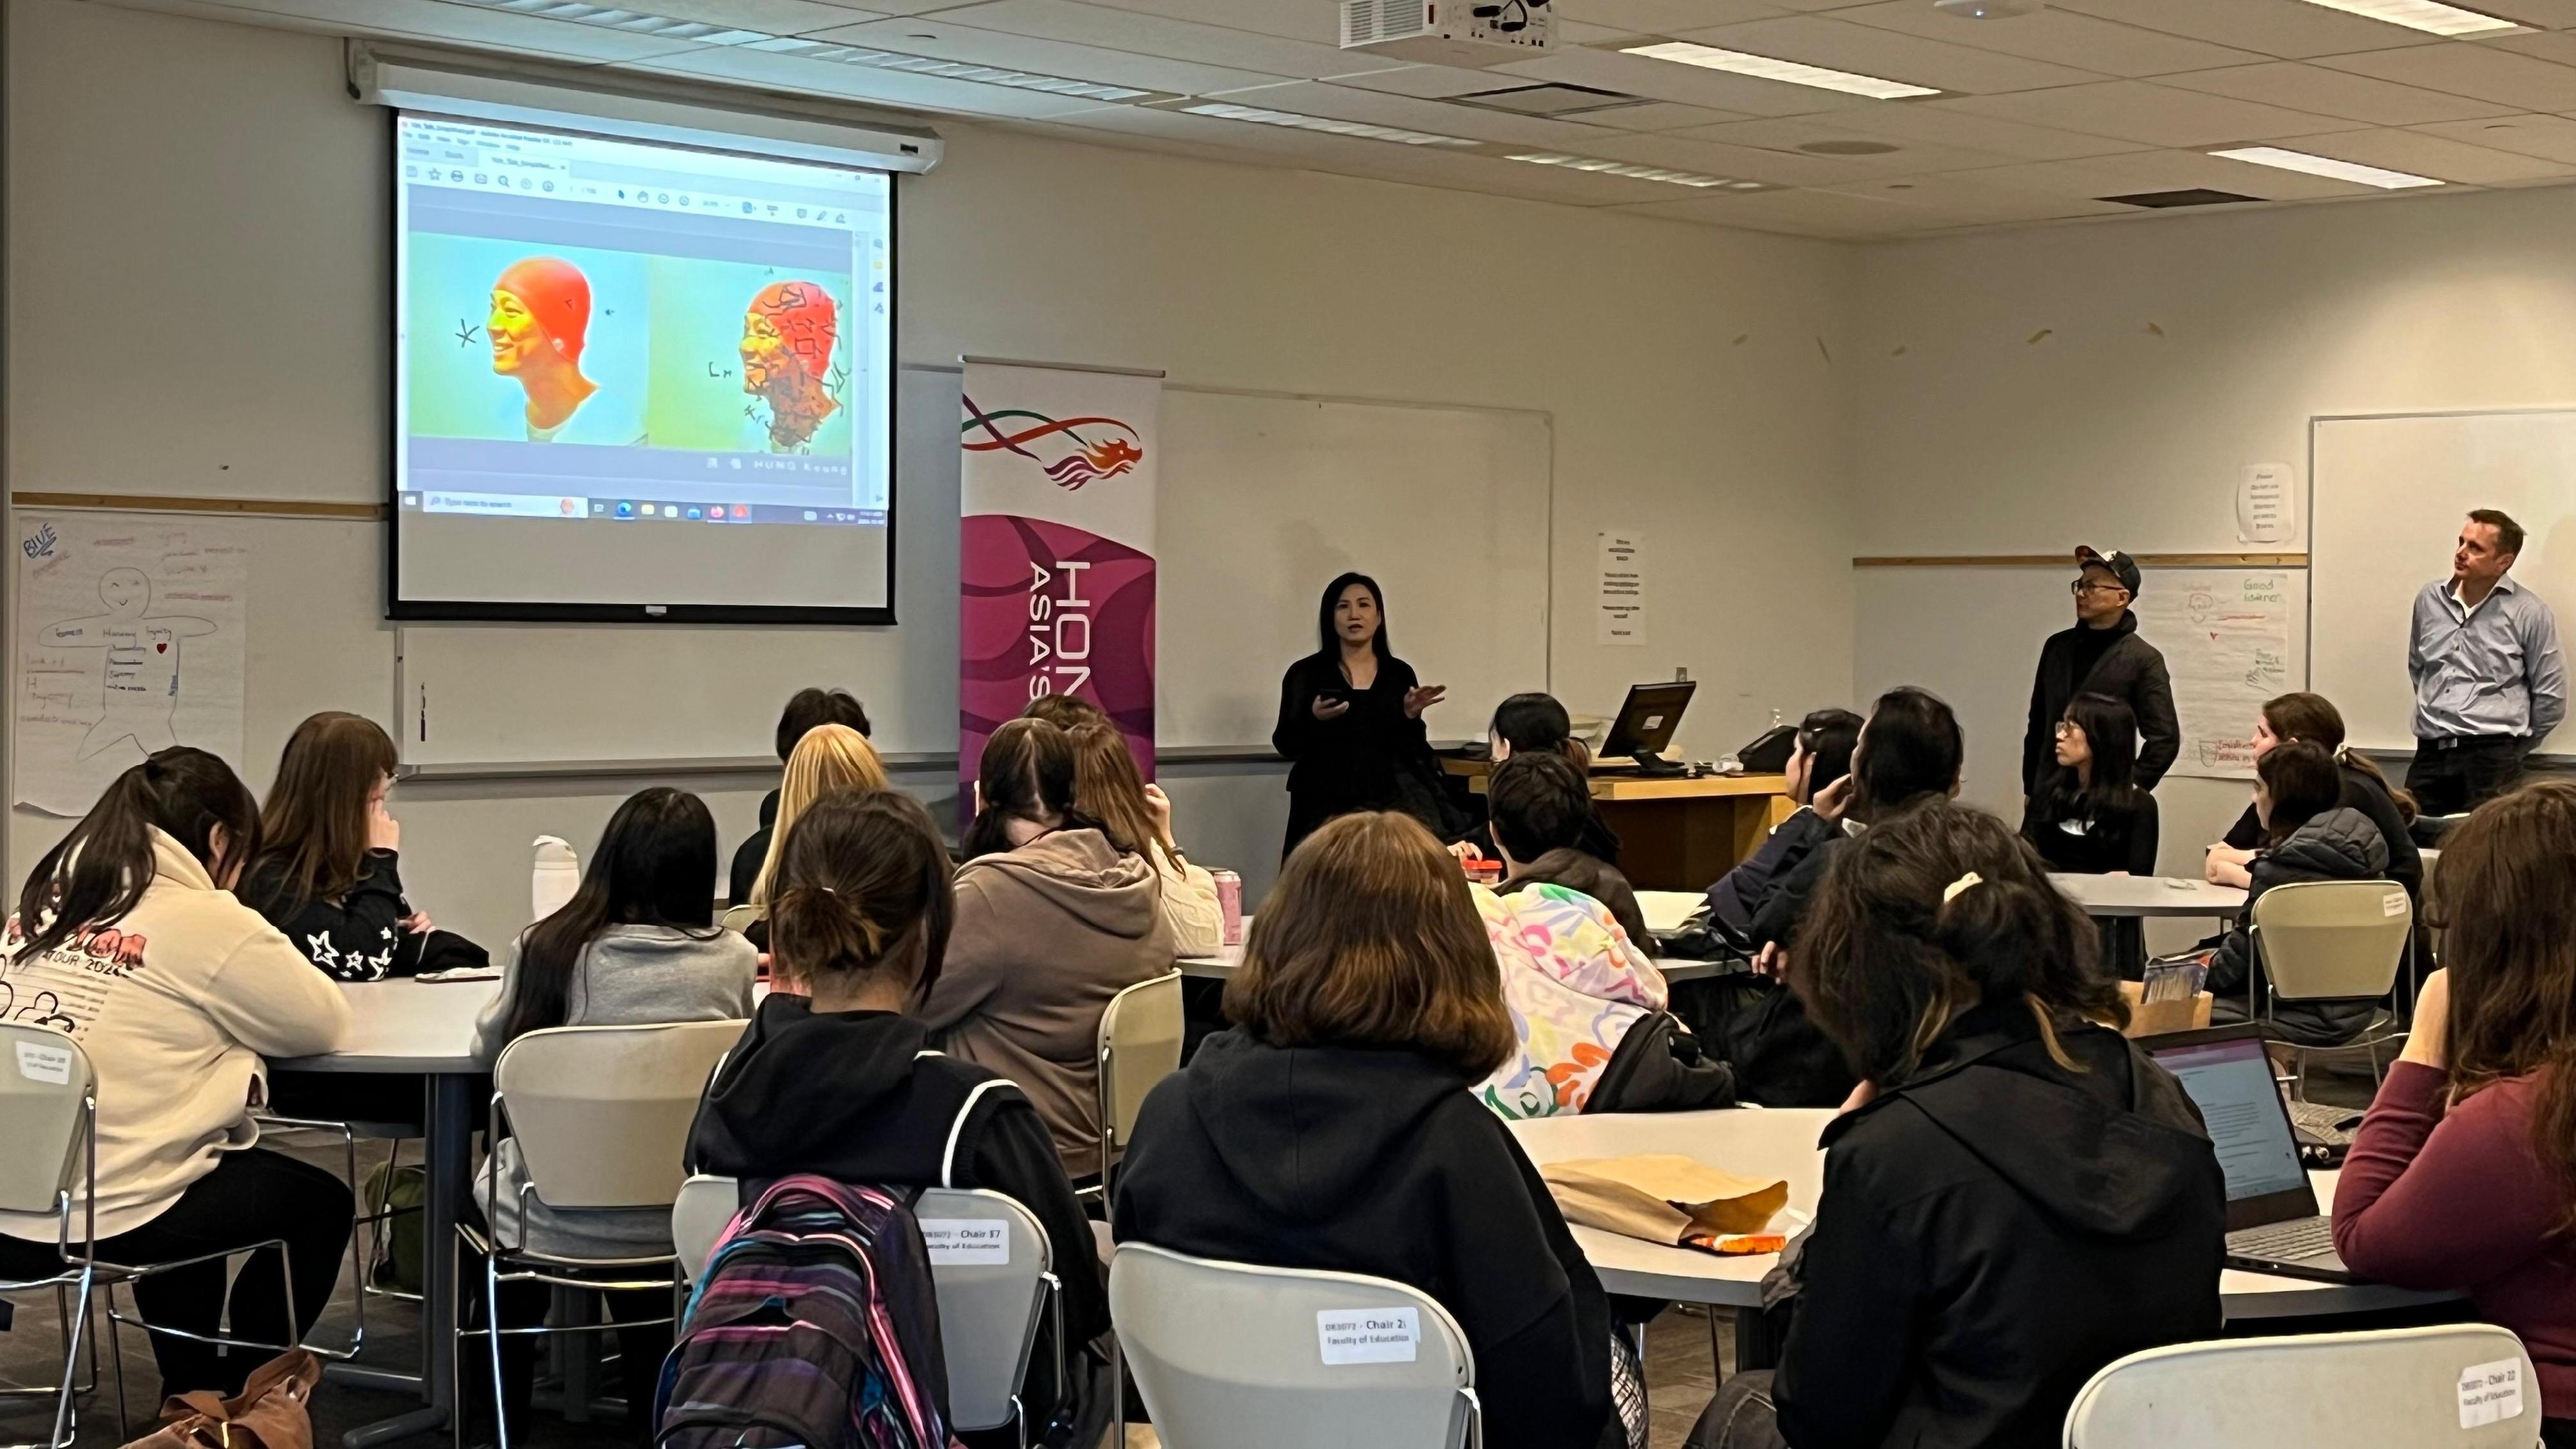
(2285, 1242)
(2330, 1125)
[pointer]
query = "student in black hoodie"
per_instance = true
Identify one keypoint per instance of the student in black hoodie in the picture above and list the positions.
(834, 1078)
(1535, 724)
(1333, 1127)
(2014, 1196)
(1820, 756)
(806, 709)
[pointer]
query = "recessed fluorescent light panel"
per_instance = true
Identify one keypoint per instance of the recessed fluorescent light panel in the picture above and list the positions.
(1763, 67)
(1293, 121)
(1638, 173)
(2425, 15)
(2328, 167)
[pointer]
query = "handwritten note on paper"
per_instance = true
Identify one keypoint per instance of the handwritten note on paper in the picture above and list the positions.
(129, 637)
(2232, 638)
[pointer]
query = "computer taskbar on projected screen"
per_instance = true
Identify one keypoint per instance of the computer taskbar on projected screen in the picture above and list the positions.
(634, 510)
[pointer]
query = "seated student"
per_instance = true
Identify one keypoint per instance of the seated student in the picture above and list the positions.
(2014, 1196)
(1540, 804)
(1333, 1127)
(636, 945)
(1909, 753)
(806, 709)
(126, 941)
(2308, 837)
(325, 874)
(2463, 1175)
(2093, 819)
(1821, 756)
(1137, 818)
(826, 759)
(1535, 724)
(1066, 712)
(1052, 921)
(2313, 717)
(836, 1076)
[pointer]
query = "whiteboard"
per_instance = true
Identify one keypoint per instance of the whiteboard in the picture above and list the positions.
(2386, 498)
(1264, 498)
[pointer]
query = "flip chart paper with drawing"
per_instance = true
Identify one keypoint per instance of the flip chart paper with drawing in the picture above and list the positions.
(129, 637)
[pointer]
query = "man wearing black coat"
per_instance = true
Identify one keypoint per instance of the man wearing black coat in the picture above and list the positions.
(2103, 655)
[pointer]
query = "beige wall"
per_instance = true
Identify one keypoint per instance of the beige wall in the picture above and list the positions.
(198, 282)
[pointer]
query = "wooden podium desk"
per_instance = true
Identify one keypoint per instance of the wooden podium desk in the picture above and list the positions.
(1676, 834)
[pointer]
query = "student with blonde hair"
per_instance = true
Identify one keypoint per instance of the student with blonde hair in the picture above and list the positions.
(827, 757)
(1138, 817)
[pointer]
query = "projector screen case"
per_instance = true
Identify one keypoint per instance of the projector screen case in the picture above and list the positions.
(595, 560)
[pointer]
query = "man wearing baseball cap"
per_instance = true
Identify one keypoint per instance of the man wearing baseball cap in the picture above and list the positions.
(2102, 654)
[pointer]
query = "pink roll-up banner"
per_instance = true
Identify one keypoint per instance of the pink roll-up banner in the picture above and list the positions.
(1056, 548)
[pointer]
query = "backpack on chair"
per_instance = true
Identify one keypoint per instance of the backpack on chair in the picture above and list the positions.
(814, 1323)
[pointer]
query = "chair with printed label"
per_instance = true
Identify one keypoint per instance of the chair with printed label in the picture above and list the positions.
(991, 1269)
(2456, 1386)
(2332, 940)
(1290, 1358)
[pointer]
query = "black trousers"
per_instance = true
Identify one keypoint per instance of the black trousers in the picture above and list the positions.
(1740, 1417)
(2458, 779)
(640, 1349)
(251, 1196)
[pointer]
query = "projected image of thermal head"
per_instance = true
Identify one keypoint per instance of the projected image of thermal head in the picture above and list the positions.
(602, 341)
(540, 318)
(787, 341)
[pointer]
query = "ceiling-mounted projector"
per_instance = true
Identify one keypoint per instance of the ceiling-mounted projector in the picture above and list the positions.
(1470, 33)
(1988, 9)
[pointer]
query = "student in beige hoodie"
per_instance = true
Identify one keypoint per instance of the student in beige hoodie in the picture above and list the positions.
(127, 939)
(1052, 921)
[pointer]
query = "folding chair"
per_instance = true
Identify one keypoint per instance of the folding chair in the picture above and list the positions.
(1140, 1044)
(2457, 1386)
(2328, 940)
(1244, 1357)
(601, 1117)
(48, 1125)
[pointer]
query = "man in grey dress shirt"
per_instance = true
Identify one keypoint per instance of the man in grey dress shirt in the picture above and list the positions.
(2490, 683)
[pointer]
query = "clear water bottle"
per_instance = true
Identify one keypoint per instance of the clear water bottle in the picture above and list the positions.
(556, 876)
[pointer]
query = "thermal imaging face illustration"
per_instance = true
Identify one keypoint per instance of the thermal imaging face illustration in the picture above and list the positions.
(787, 338)
(539, 323)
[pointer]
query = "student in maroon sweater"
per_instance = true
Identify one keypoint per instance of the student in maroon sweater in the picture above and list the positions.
(2463, 1175)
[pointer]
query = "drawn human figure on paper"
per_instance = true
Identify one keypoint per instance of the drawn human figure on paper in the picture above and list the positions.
(139, 688)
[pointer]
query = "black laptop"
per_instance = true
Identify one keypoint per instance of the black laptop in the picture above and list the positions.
(2273, 1225)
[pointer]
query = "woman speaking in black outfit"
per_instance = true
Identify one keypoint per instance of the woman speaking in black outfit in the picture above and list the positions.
(1350, 717)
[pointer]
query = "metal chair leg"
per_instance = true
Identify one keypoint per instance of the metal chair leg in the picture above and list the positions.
(492, 1323)
(116, 1356)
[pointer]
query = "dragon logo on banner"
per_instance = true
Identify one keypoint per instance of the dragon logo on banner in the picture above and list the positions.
(1077, 459)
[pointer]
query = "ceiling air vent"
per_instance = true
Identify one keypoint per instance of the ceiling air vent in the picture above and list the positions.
(2165, 200)
(1549, 100)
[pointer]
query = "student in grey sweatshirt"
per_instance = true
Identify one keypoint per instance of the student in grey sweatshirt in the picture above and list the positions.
(636, 945)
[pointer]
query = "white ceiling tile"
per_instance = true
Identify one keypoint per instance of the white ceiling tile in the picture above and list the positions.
(2148, 113)
(2439, 157)
(1712, 158)
(2547, 14)
(454, 24)
(2105, 47)
(1910, 157)
(929, 35)
(1159, 35)
(1313, 21)
(1663, 17)
(1660, 116)
(2550, 137)
(1909, 124)
(2556, 46)
(2289, 29)
(2319, 91)
(1576, 32)
(1688, 85)
(1430, 82)
(1975, 199)
(851, 82)
(1889, 54)
(2477, 71)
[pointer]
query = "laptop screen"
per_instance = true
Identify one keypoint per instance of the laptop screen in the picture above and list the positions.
(2231, 1081)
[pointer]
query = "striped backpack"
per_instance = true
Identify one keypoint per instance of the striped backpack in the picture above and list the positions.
(813, 1324)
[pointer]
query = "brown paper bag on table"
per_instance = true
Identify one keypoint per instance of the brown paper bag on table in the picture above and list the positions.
(1662, 1197)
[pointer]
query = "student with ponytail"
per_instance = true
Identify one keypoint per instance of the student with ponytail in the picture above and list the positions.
(127, 940)
(2014, 1196)
(837, 1075)
(2366, 788)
